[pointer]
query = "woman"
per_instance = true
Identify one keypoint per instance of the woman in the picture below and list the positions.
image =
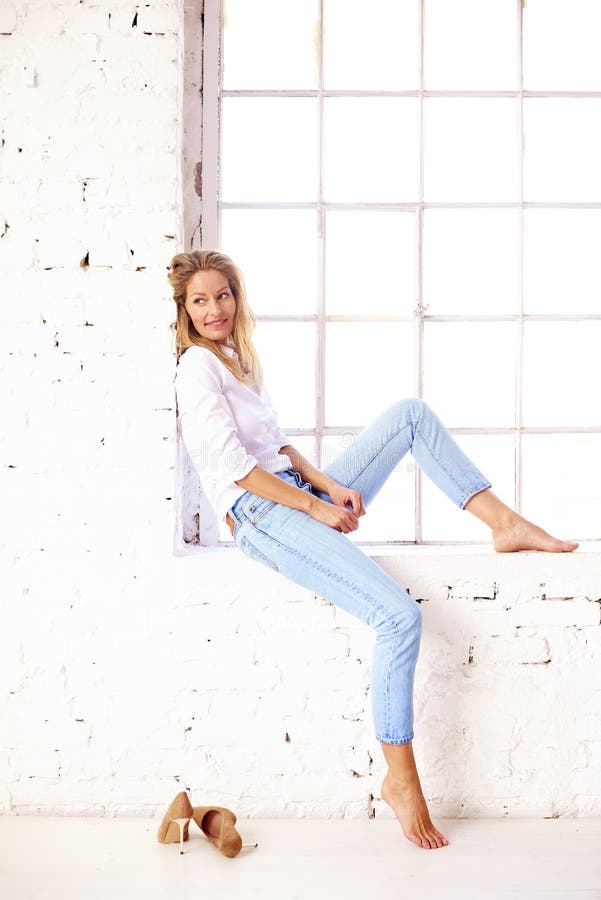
(292, 517)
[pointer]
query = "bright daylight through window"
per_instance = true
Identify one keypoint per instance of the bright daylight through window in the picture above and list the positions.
(413, 193)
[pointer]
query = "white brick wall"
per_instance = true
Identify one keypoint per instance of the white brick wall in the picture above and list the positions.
(130, 673)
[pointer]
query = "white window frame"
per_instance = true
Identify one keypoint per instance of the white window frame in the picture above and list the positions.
(210, 236)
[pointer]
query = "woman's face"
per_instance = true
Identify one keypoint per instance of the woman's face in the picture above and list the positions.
(211, 304)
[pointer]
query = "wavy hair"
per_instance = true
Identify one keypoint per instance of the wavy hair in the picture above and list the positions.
(182, 267)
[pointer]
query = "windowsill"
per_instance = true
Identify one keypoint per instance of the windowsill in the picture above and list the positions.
(483, 549)
(588, 548)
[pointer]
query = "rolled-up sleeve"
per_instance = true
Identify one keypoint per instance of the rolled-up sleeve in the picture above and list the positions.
(208, 427)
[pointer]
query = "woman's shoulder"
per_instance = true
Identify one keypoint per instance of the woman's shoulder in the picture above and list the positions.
(196, 352)
(199, 364)
(197, 357)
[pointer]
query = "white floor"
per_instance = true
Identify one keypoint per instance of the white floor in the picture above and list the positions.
(328, 859)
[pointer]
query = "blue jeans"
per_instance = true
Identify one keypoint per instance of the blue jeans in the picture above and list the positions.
(324, 560)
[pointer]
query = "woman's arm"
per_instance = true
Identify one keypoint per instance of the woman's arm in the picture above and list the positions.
(307, 472)
(265, 484)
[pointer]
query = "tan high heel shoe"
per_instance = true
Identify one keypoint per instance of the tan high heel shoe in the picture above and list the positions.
(177, 816)
(217, 823)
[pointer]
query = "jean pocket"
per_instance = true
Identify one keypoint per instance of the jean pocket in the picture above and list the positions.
(258, 508)
(251, 550)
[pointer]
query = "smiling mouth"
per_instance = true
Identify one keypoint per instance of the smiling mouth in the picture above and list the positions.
(216, 324)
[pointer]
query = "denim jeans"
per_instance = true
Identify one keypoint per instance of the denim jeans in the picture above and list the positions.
(324, 560)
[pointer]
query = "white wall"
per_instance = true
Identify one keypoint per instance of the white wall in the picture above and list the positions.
(130, 673)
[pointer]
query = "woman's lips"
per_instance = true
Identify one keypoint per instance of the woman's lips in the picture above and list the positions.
(217, 324)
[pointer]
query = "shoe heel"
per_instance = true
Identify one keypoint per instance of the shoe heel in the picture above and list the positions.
(182, 824)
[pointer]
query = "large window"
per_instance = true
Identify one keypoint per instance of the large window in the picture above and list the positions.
(413, 193)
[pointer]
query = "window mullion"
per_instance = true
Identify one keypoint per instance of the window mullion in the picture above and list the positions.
(420, 273)
(321, 262)
(211, 131)
(519, 381)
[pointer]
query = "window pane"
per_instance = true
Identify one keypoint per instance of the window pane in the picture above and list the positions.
(442, 520)
(390, 516)
(371, 47)
(483, 38)
(562, 265)
(369, 365)
(370, 149)
(359, 278)
(562, 484)
(305, 444)
(469, 373)
(471, 150)
(291, 236)
(269, 149)
(561, 45)
(471, 261)
(562, 149)
(269, 44)
(562, 378)
(287, 354)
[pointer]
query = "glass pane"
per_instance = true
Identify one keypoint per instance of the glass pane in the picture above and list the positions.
(442, 520)
(269, 149)
(287, 354)
(469, 372)
(562, 378)
(562, 484)
(471, 260)
(371, 149)
(270, 44)
(391, 514)
(372, 47)
(306, 444)
(369, 365)
(561, 45)
(483, 38)
(291, 236)
(562, 265)
(471, 150)
(562, 149)
(359, 246)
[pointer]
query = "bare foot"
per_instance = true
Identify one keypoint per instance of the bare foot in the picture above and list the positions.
(520, 534)
(409, 806)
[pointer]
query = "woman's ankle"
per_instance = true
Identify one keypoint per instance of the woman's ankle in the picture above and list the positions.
(401, 763)
(487, 507)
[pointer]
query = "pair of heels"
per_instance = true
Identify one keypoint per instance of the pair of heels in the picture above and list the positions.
(216, 822)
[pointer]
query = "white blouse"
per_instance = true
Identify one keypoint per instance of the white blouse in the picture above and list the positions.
(228, 427)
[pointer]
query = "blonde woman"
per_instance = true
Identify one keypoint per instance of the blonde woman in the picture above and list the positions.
(293, 518)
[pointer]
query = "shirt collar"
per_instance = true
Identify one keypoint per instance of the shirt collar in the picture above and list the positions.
(229, 350)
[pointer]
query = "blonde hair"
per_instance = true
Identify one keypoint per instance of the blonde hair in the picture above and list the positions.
(183, 266)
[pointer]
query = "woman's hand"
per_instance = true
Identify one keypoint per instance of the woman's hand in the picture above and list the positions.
(342, 496)
(336, 517)
(336, 514)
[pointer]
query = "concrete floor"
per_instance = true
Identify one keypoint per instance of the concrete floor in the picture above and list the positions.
(297, 859)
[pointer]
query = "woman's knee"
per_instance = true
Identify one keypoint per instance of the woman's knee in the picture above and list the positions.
(407, 619)
(412, 407)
